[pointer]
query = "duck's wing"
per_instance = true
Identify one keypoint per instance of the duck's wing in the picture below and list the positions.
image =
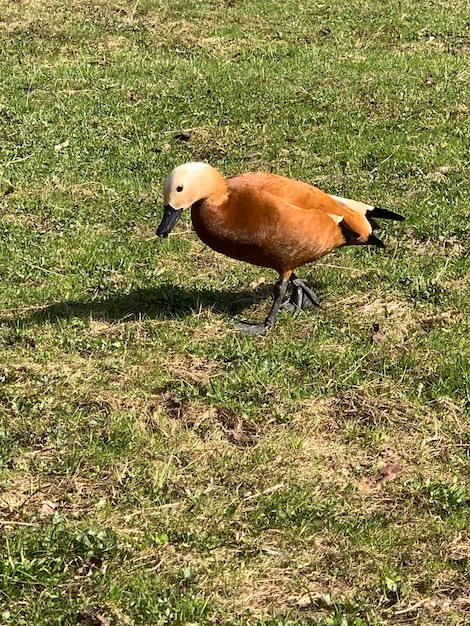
(358, 216)
(322, 213)
(310, 198)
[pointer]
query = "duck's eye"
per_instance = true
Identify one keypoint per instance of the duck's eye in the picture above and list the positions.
(179, 188)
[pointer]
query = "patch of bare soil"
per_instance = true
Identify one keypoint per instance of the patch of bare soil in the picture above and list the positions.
(28, 500)
(192, 369)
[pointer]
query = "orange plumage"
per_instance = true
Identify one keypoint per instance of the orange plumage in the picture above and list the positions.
(268, 220)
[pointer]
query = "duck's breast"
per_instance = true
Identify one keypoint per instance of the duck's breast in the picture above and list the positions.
(238, 228)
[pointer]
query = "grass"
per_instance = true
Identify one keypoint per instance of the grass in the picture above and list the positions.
(155, 466)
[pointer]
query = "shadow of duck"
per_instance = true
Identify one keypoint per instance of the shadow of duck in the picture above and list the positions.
(167, 301)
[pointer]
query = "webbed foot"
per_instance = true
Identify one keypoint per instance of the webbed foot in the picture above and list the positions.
(252, 328)
(302, 297)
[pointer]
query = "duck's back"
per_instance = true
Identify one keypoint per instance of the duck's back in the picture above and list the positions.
(294, 192)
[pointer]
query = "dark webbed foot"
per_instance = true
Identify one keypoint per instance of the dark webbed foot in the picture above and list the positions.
(250, 328)
(294, 303)
(302, 297)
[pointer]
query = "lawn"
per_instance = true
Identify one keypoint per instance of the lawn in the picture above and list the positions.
(157, 467)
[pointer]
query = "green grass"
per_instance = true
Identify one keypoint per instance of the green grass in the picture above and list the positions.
(155, 466)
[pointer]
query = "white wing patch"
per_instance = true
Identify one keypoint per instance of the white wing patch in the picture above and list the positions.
(336, 218)
(354, 205)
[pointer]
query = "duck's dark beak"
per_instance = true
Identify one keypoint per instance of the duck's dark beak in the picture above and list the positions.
(169, 219)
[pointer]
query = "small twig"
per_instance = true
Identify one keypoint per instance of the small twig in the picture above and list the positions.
(358, 365)
(265, 491)
(134, 9)
(351, 269)
(6, 522)
(155, 568)
(410, 608)
(18, 160)
(374, 169)
(43, 269)
(169, 505)
(187, 130)
(441, 271)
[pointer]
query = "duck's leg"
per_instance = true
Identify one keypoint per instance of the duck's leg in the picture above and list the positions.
(301, 297)
(253, 328)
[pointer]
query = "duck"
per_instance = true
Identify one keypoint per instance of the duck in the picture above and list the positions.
(270, 221)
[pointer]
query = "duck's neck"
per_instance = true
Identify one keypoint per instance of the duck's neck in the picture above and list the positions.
(216, 186)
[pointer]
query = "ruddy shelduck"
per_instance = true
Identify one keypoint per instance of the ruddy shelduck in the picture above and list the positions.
(270, 221)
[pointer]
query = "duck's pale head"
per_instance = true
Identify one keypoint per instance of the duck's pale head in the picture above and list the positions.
(186, 185)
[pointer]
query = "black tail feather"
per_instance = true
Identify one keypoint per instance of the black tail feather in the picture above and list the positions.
(351, 237)
(375, 225)
(385, 214)
(375, 241)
